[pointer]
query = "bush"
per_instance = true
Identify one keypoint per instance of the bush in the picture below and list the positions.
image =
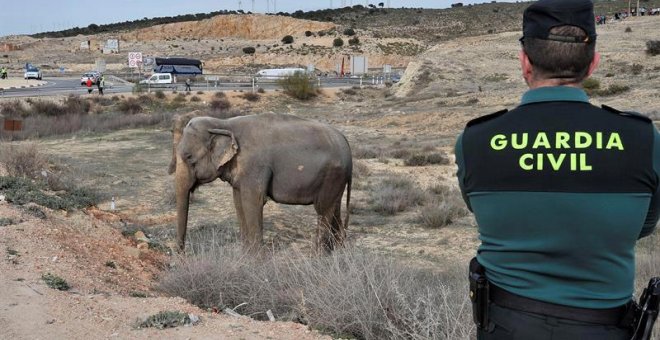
(138, 88)
(322, 33)
(351, 293)
(159, 94)
(396, 194)
(299, 86)
(287, 39)
(653, 47)
(308, 33)
(261, 90)
(130, 106)
(349, 32)
(420, 160)
(47, 108)
(364, 152)
(166, 319)
(195, 99)
(5, 221)
(338, 42)
(55, 282)
(13, 109)
(612, 90)
(23, 191)
(354, 41)
(25, 161)
(220, 104)
(628, 30)
(251, 96)
(249, 50)
(219, 95)
(636, 69)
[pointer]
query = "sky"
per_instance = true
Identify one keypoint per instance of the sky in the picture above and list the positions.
(18, 17)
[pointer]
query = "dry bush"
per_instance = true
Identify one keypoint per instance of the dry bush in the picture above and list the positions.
(364, 152)
(130, 106)
(396, 194)
(14, 108)
(46, 107)
(421, 160)
(220, 104)
(350, 293)
(251, 96)
(261, 90)
(400, 153)
(179, 98)
(445, 207)
(159, 94)
(23, 160)
(195, 99)
(220, 95)
(653, 47)
(360, 169)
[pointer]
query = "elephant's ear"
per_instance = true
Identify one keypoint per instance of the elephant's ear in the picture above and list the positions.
(222, 155)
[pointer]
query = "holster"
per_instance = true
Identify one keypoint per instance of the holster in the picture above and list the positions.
(645, 312)
(479, 294)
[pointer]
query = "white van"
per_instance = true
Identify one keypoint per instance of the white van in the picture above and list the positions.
(160, 78)
(279, 73)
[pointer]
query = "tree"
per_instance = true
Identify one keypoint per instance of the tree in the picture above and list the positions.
(349, 32)
(381, 4)
(338, 42)
(249, 50)
(354, 41)
(287, 39)
(308, 33)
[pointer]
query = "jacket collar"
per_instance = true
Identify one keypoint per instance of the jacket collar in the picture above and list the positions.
(554, 93)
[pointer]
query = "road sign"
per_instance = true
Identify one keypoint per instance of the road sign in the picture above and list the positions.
(134, 59)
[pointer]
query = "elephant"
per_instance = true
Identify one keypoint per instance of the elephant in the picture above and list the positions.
(281, 157)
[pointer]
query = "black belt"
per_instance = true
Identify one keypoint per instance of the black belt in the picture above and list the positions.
(610, 316)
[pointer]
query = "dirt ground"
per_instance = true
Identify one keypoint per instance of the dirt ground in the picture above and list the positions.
(130, 165)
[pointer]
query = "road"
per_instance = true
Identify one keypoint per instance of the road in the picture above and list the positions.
(67, 86)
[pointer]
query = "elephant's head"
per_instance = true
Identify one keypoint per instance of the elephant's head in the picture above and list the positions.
(179, 122)
(205, 148)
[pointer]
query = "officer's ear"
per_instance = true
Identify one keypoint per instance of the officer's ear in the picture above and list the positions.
(594, 64)
(525, 66)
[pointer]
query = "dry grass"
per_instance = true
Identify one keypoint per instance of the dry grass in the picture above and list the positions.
(445, 206)
(396, 194)
(351, 293)
(23, 160)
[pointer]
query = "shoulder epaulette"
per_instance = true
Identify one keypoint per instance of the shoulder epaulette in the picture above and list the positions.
(486, 117)
(627, 113)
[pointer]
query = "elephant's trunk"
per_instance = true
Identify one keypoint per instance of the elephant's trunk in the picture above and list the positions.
(183, 185)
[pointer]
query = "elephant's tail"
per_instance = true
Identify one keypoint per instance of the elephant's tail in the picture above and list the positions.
(348, 200)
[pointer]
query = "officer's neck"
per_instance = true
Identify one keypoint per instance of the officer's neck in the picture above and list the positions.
(536, 83)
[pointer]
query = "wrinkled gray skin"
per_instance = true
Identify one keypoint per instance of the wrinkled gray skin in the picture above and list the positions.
(287, 159)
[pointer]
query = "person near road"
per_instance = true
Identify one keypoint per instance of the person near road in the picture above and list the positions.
(88, 83)
(561, 191)
(188, 82)
(3, 72)
(101, 84)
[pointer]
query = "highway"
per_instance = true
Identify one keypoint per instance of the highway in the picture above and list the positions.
(56, 86)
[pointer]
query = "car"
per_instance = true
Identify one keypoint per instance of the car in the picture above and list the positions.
(32, 73)
(94, 76)
(159, 78)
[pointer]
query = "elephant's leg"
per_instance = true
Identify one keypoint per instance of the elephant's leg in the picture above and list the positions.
(252, 203)
(330, 232)
(238, 204)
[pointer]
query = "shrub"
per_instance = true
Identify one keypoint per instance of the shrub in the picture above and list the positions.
(200, 92)
(349, 32)
(138, 88)
(612, 90)
(364, 152)
(338, 42)
(351, 293)
(159, 94)
(628, 30)
(299, 86)
(420, 160)
(636, 69)
(322, 33)
(287, 39)
(195, 99)
(14, 108)
(220, 104)
(308, 33)
(396, 194)
(130, 106)
(55, 282)
(166, 319)
(653, 47)
(24, 161)
(179, 98)
(5, 221)
(261, 90)
(251, 96)
(249, 50)
(354, 41)
(46, 107)
(219, 94)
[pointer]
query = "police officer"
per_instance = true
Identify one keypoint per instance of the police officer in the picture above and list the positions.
(561, 191)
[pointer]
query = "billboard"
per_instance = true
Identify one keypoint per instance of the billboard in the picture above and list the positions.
(111, 46)
(359, 65)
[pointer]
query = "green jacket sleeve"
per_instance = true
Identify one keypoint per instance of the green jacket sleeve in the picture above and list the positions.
(460, 162)
(654, 207)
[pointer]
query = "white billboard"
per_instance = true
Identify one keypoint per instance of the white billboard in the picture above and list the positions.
(359, 65)
(111, 46)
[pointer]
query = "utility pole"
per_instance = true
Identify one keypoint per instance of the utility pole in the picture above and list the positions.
(240, 5)
(637, 11)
